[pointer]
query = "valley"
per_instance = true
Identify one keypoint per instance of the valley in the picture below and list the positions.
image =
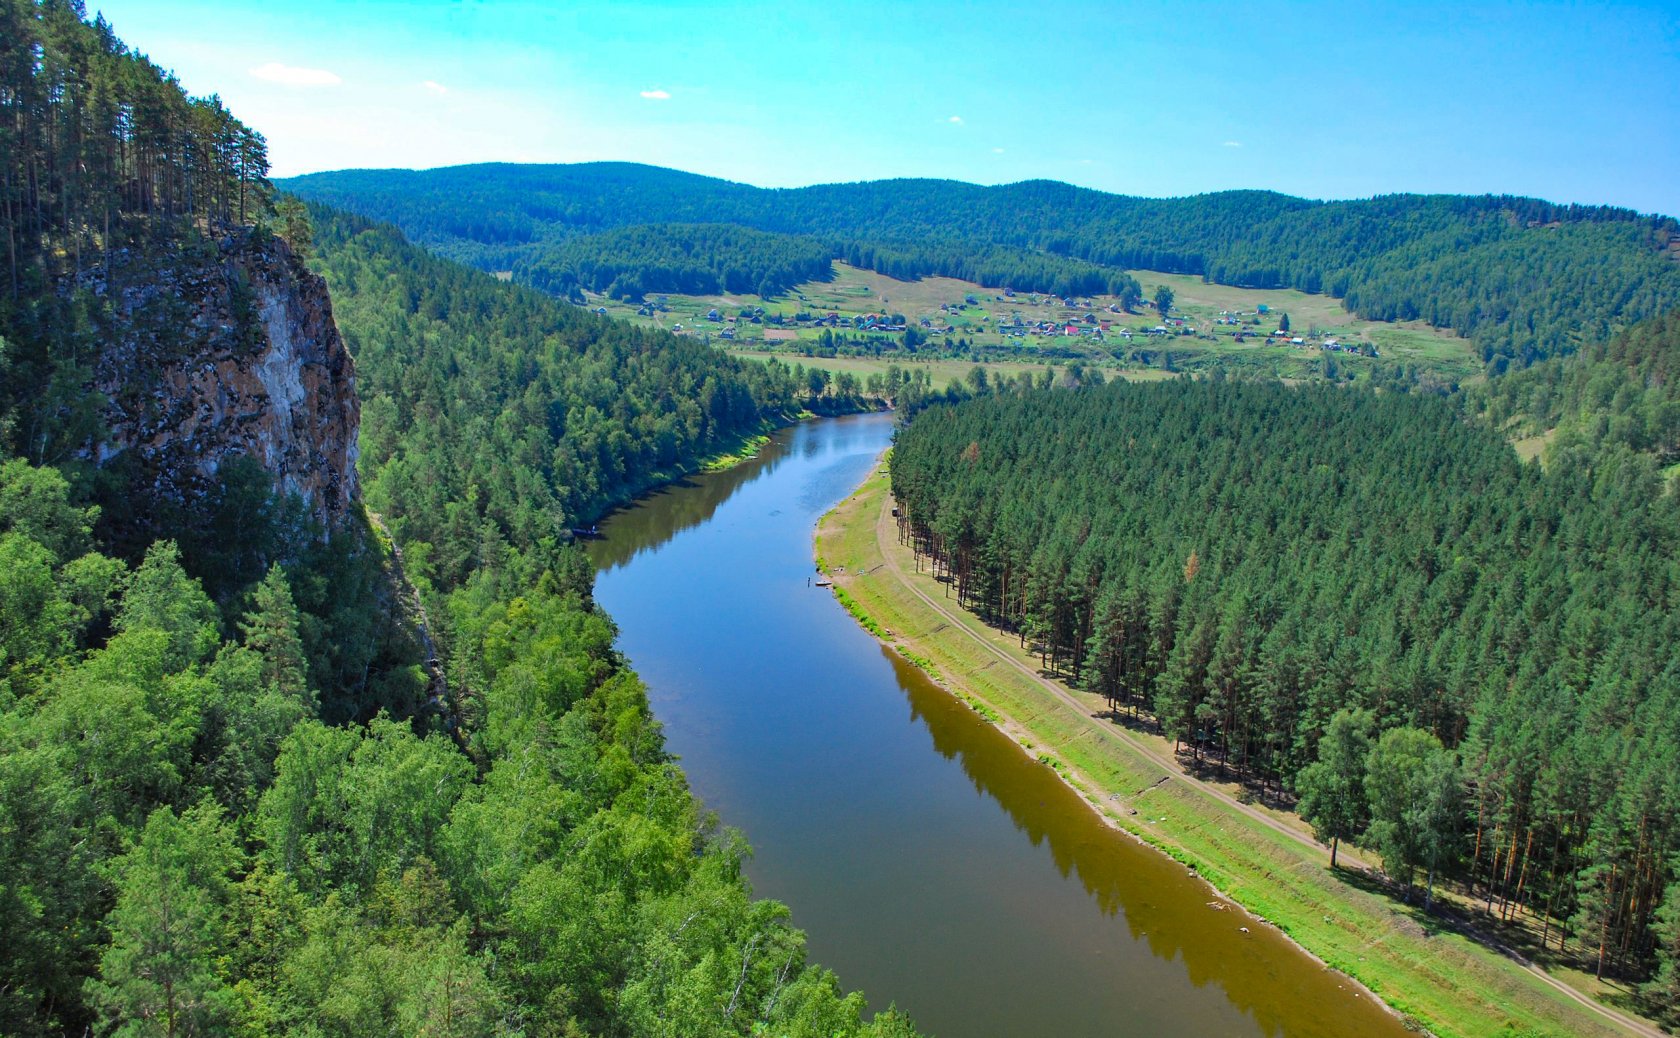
(930, 860)
(1237, 608)
(864, 315)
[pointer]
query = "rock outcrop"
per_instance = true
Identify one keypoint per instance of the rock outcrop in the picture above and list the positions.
(229, 352)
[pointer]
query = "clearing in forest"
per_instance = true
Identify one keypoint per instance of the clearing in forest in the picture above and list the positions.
(860, 312)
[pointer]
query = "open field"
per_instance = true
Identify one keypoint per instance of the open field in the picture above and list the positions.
(956, 327)
(1262, 858)
(940, 371)
(1410, 342)
(1533, 448)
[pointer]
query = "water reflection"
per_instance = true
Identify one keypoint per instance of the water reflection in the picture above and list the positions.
(1154, 895)
(908, 868)
(668, 511)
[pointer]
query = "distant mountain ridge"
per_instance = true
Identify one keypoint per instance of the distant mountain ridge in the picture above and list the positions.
(1524, 278)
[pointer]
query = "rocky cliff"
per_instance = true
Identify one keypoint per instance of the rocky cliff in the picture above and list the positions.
(228, 350)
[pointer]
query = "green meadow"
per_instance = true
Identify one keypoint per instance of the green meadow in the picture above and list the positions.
(960, 332)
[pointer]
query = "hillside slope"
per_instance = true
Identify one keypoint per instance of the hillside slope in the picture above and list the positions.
(1623, 393)
(223, 810)
(1522, 277)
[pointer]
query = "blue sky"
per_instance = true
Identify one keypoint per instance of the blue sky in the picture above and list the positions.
(1570, 102)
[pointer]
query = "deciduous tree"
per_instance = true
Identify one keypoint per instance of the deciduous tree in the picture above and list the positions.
(1333, 797)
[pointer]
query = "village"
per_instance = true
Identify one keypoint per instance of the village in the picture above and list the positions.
(860, 313)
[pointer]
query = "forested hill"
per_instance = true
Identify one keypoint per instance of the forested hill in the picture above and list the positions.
(242, 790)
(1523, 278)
(1624, 392)
(693, 259)
(495, 416)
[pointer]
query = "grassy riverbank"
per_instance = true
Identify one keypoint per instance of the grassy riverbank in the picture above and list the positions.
(739, 449)
(745, 449)
(1441, 980)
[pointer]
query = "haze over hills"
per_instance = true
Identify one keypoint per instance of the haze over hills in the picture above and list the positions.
(1522, 277)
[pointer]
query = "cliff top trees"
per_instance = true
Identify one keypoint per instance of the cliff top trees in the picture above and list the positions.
(100, 151)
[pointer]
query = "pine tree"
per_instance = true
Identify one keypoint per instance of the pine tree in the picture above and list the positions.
(160, 975)
(270, 628)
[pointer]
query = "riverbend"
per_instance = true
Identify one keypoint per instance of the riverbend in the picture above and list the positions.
(932, 863)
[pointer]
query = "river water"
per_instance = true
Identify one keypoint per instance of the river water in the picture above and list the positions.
(931, 863)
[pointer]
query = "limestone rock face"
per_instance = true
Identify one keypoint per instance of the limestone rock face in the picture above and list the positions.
(226, 353)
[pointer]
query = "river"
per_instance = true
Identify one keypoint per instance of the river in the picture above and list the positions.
(931, 863)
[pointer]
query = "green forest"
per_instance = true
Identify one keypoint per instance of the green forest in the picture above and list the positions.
(1461, 661)
(693, 259)
(631, 263)
(1621, 391)
(493, 415)
(225, 807)
(263, 778)
(1524, 279)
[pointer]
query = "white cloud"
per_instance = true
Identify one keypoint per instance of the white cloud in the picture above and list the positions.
(291, 75)
(1233, 144)
(435, 87)
(657, 95)
(997, 151)
(956, 119)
